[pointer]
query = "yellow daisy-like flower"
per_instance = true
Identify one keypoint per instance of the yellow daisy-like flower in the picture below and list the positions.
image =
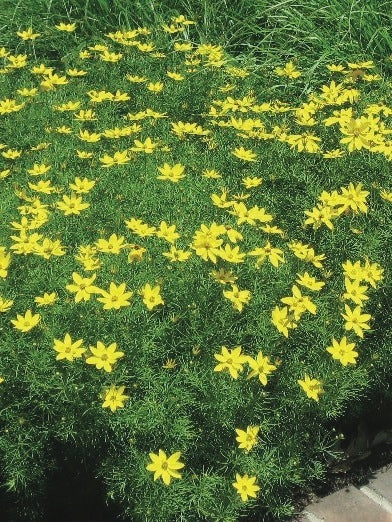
(67, 349)
(115, 398)
(246, 486)
(116, 298)
(104, 357)
(165, 467)
(232, 361)
(312, 387)
(69, 28)
(151, 296)
(26, 322)
(46, 299)
(343, 351)
(244, 154)
(247, 439)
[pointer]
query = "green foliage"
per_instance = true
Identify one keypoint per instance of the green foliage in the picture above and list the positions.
(175, 401)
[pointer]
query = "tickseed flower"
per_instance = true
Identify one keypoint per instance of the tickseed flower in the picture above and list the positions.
(355, 320)
(112, 246)
(288, 70)
(151, 296)
(26, 322)
(298, 303)
(232, 361)
(177, 255)
(223, 276)
(312, 387)
(67, 349)
(283, 320)
(246, 486)
(164, 467)
(355, 291)
(174, 173)
(46, 299)
(343, 351)
(354, 198)
(310, 282)
(273, 254)
(116, 297)
(237, 297)
(119, 158)
(72, 205)
(5, 305)
(69, 28)
(28, 34)
(104, 358)
(244, 154)
(82, 186)
(83, 287)
(261, 367)
(115, 398)
(247, 439)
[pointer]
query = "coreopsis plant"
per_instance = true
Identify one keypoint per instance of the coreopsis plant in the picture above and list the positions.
(207, 244)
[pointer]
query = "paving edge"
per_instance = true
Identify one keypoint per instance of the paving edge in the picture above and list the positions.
(369, 492)
(377, 498)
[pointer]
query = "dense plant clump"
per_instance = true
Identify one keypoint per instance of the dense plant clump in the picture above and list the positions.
(193, 266)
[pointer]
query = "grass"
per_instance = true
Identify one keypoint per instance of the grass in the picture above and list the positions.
(174, 400)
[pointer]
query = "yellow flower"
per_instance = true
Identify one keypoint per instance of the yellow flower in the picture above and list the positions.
(28, 34)
(46, 299)
(72, 205)
(354, 198)
(298, 303)
(82, 287)
(261, 367)
(67, 349)
(224, 276)
(155, 87)
(386, 195)
(232, 360)
(82, 186)
(5, 305)
(119, 158)
(237, 297)
(247, 439)
(167, 232)
(113, 246)
(244, 154)
(309, 282)
(26, 322)
(177, 255)
(355, 320)
(148, 146)
(251, 182)
(171, 173)
(69, 28)
(165, 467)
(151, 296)
(342, 351)
(39, 169)
(283, 320)
(274, 255)
(116, 297)
(246, 486)
(288, 70)
(115, 398)
(355, 291)
(104, 358)
(231, 254)
(7, 106)
(312, 387)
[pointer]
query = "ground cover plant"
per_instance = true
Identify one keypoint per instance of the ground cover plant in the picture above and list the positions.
(194, 266)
